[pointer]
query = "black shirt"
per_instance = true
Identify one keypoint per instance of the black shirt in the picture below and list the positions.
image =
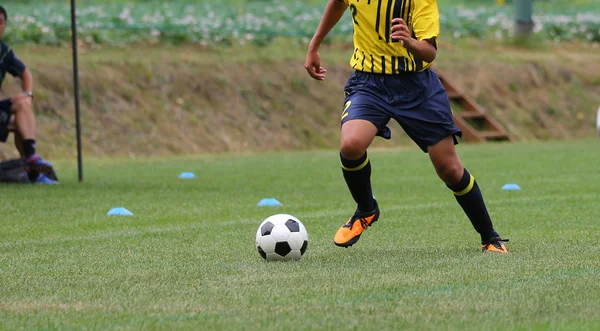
(9, 63)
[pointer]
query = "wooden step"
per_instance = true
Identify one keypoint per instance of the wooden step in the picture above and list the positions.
(472, 118)
(493, 135)
(454, 95)
(471, 115)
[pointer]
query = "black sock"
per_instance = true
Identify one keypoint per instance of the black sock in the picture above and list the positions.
(357, 174)
(469, 197)
(29, 147)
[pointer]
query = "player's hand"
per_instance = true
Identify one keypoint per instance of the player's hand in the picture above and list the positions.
(401, 32)
(313, 65)
(20, 97)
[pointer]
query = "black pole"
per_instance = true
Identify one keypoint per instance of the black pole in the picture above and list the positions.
(76, 86)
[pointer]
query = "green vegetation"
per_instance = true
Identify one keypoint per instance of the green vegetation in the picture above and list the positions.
(258, 22)
(186, 260)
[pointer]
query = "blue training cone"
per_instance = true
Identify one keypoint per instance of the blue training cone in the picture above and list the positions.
(511, 187)
(269, 202)
(187, 175)
(119, 211)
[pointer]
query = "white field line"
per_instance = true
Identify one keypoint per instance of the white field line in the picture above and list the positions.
(314, 215)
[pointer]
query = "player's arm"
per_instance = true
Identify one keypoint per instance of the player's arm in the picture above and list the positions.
(422, 49)
(27, 81)
(17, 69)
(333, 13)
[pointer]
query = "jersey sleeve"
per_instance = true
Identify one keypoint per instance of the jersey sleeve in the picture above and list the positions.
(14, 66)
(426, 20)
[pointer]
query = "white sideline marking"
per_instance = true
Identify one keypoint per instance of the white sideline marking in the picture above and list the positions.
(320, 214)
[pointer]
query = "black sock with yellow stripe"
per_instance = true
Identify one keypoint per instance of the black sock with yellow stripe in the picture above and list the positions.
(469, 197)
(357, 174)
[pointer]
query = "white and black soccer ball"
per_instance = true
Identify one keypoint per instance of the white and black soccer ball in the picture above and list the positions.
(281, 237)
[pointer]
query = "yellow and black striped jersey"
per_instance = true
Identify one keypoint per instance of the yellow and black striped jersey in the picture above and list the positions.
(374, 50)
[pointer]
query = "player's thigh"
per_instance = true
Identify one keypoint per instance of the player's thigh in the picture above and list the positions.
(430, 122)
(362, 119)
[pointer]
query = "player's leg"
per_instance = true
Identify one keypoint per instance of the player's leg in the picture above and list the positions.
(18, 138)
(466, 190)
(362, 120)
(25, 127)
(7, 125)
(431, 125)
(356, 136)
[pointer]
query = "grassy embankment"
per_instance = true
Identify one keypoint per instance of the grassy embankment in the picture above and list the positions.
(184, 99)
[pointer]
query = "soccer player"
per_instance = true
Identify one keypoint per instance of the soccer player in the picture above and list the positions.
(16, 113)
(395, 43)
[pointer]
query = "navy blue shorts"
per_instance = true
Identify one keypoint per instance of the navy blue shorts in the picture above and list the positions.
(5, 116)
(416, 100)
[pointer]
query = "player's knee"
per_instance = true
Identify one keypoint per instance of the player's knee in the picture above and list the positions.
(21, 106)
(352, 147)
(449, 172)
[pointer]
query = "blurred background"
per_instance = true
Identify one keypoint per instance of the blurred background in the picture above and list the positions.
(187, 77)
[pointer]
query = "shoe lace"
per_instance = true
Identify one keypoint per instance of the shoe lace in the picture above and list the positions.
(363, 221)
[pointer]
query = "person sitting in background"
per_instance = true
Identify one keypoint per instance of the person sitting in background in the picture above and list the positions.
(16, 113)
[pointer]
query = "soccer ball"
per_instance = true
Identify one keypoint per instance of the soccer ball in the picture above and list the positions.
(281, 237)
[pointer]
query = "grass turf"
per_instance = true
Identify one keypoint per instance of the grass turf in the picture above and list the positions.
(186, 260)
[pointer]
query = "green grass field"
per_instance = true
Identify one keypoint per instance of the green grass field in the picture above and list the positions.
(186, 260)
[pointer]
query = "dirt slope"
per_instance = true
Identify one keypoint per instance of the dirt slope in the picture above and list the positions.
(184, 100)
